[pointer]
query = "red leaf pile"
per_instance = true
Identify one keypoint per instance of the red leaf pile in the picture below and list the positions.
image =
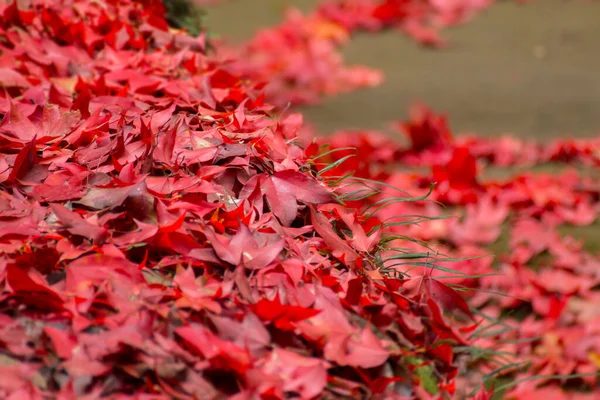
(301, 58)
(541, 291)
(164, 235)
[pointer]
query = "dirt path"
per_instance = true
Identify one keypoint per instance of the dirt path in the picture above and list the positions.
(531, 69)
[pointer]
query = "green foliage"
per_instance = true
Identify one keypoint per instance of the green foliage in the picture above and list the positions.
(182, 14)
(425, 374)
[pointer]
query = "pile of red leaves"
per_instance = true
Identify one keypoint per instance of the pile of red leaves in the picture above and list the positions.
(540, 293)
(541, 282)
(163, 235)
(301, 57)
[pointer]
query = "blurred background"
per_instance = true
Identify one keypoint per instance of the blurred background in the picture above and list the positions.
(529, 69)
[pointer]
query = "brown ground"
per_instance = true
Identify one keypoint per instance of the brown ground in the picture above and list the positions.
(533, 70)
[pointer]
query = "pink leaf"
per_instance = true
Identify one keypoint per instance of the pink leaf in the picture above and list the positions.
(302, 187)
(75, 224)
(62, 342)
(340, 248)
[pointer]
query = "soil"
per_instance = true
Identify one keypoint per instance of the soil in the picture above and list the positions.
(531, 70)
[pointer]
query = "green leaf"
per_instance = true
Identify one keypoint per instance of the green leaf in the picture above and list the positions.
(544, 377)
(335, 164)
(136, 245)
(428, 379)
(334, 151)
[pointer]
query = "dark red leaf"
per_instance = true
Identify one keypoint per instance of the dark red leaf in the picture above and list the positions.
(447, 297)
(31, 292)
(24, 162)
